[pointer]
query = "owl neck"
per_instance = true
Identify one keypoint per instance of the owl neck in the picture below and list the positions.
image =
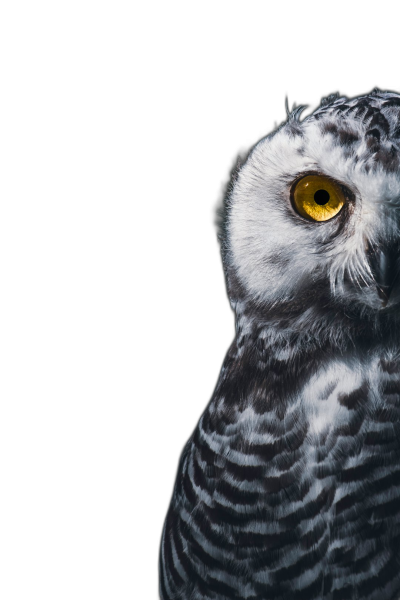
(288, 331)
(285, 342)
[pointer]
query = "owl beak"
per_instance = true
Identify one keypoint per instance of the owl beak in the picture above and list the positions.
(384, 268)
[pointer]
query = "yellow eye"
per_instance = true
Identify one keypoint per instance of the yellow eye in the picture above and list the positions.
(317, 198)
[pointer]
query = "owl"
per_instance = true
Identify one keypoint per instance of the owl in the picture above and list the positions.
(289, 487)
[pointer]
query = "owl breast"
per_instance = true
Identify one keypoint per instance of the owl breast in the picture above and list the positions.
(290, 488)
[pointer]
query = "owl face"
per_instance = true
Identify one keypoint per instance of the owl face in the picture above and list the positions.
(313, 218)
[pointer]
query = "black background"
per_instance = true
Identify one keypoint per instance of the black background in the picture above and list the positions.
(204, 116)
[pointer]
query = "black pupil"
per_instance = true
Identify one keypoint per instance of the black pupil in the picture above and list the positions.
(321, 197)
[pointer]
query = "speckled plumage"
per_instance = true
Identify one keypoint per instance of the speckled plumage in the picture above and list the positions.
(289, 487)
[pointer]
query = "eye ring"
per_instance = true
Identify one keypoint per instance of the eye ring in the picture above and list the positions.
(317, 197)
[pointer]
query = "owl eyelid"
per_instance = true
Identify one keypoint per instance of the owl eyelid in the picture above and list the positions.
(304, 174)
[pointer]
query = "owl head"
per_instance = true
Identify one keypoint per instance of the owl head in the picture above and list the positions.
(311, 223)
